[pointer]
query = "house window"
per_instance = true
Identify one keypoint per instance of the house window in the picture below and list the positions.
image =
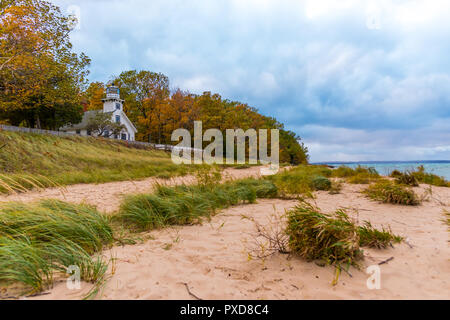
(124, 136)
(117, 119)
(78, 131)
(117, 106)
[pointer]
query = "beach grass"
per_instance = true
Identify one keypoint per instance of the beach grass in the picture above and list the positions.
(405, 178)
(419, 175)
(359, 175)
(374, 238)
(40, 241)
(387, 191)
(32, 161)
(185, 205)
(314, 235)
(302, 180)
(333, 239)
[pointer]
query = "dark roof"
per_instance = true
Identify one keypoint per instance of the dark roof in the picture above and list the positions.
(87, 116)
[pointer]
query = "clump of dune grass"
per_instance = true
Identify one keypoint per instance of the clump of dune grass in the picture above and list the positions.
(302, 180)
(184, 205)
(419, 175)
(428, 178)
(405, 178)
(206, 175)
(314, 235)
(264, 189)
(332, 238)
(396, 174)
(321, 183)
(359, 175)
(336, 187)
(50, 219)
(390, 192)
(447, 219)
(374, 238)
(343, 172)
(40, 241)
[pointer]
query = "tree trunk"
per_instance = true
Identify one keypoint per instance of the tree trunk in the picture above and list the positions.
(38, 122)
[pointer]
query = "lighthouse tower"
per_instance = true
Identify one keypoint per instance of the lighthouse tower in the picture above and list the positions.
(114, 105)
(112, 102)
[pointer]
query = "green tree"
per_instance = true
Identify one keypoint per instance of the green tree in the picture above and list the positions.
(100, 124)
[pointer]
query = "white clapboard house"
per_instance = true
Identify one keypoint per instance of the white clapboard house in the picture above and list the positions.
(111, 104)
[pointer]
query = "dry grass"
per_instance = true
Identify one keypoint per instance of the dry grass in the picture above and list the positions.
(390, 192)
(413, 178)
(32, 161)
(333, 239)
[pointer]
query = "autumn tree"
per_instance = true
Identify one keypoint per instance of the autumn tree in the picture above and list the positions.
(94, 95)
(157, 113)
(146, 94)
(41, 79)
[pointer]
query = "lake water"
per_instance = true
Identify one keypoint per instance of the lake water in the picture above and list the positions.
(440, 168)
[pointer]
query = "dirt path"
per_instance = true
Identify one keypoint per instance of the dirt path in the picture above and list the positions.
(212, 259)
(107, 196)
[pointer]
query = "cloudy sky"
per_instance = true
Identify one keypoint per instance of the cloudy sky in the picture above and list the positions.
(357, 80)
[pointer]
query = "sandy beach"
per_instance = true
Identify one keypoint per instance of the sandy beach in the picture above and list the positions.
(108, 196)
(210, 261)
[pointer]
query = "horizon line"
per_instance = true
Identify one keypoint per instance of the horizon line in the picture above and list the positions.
(379, 161)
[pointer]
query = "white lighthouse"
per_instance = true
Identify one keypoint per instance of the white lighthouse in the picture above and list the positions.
(111, 104)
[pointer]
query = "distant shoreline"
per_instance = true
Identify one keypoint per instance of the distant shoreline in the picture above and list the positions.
(438, 167)
(383, 162)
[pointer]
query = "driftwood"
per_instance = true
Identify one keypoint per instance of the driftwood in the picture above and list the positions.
(386, 261)
(190, 292)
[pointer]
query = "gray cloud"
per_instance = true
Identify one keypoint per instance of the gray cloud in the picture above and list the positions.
(359, 80)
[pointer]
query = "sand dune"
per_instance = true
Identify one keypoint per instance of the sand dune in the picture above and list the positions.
(210, 261)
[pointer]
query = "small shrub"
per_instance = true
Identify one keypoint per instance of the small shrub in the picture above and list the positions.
(320, 183)
(208, 175)
(396, 174)
(343, 172)
(360, 178)
(336, 187)
(429, 178)
(263, 188)
(302, 180)
(408, 179)
(389, 192)
(359, 175)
